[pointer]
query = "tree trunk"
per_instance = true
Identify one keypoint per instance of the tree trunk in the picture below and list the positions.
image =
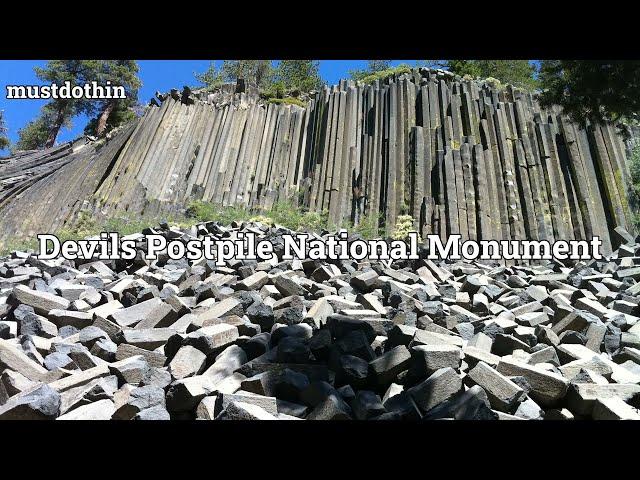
(55, 129)
(104, 117)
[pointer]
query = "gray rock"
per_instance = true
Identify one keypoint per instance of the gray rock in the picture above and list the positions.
(157, 412)
(187, 362)
(99, 410)
(140, 398)
(530, 410)
(40, 402)
(33, 324)
(441, 386)
(131, 370)
(366, 405)
(503, 394)
(331, 408)
(472, 404)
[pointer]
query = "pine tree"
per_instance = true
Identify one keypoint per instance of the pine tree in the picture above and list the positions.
(379, 65)
(34, 135)
(519, 73)
(431, 63)
(114, 112)
(259, 72)
(4, 141)
(61, 110)
(301, 75)
(595, 91)
(464, 67)
(210, 78)
(373, 66)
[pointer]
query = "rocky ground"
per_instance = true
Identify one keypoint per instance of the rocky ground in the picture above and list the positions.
(318, 341)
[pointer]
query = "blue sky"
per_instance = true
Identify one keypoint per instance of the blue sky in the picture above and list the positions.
(159, 75)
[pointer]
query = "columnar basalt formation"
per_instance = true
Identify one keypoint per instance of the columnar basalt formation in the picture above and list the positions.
(459, 156)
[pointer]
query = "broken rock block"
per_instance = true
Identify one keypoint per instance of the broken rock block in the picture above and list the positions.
(14, 358)
(429, 358)
(157, 412)
(131, 370)
(548, 388)
(366, 405)
(148, 338)
(529, 410)
(331, 408)
(139, 399)
(441, 386)
(268, 404)
(62, 318)
(253, 282)
(614, 408)
(40, 402)
(100, 410)
(386, 367)
(12, 383)
(187, 362)
(185, 395)
(472, 404)
(206, 408)
(247, 411)
(33, 324)
(151, 311)
(284, 384)
(212, 338)
(503, 394)
(582, 397)
(42, 302)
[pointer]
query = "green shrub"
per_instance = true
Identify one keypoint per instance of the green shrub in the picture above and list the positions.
(295, 218)
(634, 186)
(382, 74)
(287, 101)
(494, 83)
(18, 245)
(84, 226)
(203, 211)
(285, 214)
(262, 219)
(275, 90)
(368, 226)
(404, 226)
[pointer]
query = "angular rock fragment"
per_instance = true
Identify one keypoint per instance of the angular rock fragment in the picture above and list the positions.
(548, 388)
(12, 357)
(140, 399)
(429, 358)
(100, 410)
(247, 411)
(187, 362)
(614, 409)
(441, 386)
(268, 404)
(62, 318)
(42, 302)
(40, 402)
(131, 370)
(503, 394)
(471, 404)
(331, 408)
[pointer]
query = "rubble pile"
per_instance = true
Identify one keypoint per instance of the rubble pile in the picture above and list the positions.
(308, 339)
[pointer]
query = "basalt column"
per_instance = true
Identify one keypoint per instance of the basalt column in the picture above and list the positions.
(458, 156)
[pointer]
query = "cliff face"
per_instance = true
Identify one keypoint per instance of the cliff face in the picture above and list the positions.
(459, 156)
